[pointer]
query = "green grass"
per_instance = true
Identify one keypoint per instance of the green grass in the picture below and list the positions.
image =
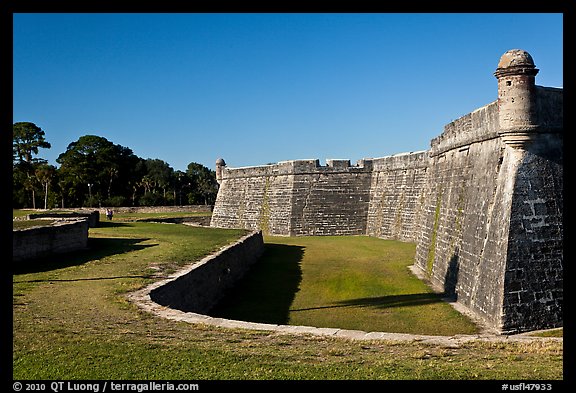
(358, 283)
(559, 332)
(20, 212)
(71, 320)
(31, 223)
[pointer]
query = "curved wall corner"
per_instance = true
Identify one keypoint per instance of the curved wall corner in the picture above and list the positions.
(199, 287)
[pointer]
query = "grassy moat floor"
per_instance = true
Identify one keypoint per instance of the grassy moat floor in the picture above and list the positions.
(352, 282)
(71, 319)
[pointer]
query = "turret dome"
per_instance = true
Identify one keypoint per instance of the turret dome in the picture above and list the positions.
(516, 62)
(515, 57)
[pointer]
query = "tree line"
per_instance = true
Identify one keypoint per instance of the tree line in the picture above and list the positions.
(95, 172)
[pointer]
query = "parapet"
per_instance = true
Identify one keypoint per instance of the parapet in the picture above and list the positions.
(332, 166)
(477, 126)
(293, 167)
(401, 161)
(550, 108)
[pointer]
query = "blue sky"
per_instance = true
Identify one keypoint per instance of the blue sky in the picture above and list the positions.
(261, 88)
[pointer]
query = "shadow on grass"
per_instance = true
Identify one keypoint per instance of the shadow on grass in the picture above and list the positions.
(97, 248)
(414, 299)
(267, 290)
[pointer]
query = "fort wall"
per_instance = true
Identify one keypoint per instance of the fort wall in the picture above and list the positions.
(304, 198)
(483, 204)
(462, 242)
(331, 199)
(533, 279)
(256, 198)
(396, 199)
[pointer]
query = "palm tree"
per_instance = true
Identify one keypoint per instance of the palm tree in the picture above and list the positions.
(45, 173)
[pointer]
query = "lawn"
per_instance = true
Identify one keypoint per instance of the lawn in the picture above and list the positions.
(354, 282)
(71, 320)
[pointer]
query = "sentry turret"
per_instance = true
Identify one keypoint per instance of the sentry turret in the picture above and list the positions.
(516, 98)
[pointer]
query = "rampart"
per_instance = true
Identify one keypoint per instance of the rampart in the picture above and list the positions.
(60, 237)
(491, 231)
(484, 204)
(379, 197)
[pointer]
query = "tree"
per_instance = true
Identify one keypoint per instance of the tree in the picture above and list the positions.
(203, 183)
(45, 173)
(181, 181)
(98, 167)
(30, 185)
(27, 138)
(160, 173)
(20, 195)
(147, 183)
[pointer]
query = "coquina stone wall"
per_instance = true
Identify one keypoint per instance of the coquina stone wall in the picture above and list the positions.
(484, 204)
(256, 198)
(200, 287)
(63, 236)
(331, 199)
(303, 198)
(491, 234)
(533, 280)
(396, 198)
(463, 231)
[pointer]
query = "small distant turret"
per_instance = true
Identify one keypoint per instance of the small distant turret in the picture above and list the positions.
(220, 164)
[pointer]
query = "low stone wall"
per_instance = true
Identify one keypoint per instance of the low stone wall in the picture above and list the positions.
(200, 287)
(65, 236)
(160, 209)
(93, 217)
